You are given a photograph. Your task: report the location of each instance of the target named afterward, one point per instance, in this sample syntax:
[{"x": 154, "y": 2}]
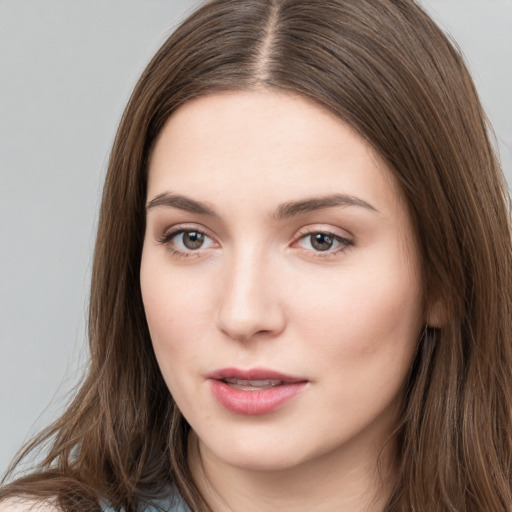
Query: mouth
[
  {"x": 254, "y": 392},
  {"x": 252, "y": 385}
]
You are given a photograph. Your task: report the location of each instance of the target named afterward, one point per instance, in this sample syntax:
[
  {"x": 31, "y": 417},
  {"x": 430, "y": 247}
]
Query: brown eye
[
  {"x": 324, "y": 242},
  {"x": 192, "y": 239},
  {"x": 321, "y": 241},
  {"x": 186, "y": 241}
]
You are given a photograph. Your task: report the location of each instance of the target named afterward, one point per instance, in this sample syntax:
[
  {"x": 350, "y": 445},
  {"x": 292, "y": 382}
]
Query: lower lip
[{"x": 254, "y": 403}]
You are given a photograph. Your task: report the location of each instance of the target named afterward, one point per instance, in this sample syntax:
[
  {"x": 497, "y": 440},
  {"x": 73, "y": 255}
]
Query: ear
[{"x": 436, "y": 313}]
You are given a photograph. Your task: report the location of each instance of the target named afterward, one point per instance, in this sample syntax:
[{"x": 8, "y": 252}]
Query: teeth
[{"x": 252, "y": 384}]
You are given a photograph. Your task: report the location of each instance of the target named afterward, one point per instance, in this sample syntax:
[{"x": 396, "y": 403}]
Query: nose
[{"x": 249, "y": 304}]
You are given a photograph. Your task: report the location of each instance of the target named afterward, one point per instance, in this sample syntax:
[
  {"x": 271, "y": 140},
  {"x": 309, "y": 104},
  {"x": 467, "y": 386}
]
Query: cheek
[
  {"x": 366, "y": 321},
  {"x": 360, "y": 347},
  {"x": 176, "y": 314}
]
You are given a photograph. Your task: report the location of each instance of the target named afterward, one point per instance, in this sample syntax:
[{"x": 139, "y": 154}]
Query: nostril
[{"x": 251, "y": 324}]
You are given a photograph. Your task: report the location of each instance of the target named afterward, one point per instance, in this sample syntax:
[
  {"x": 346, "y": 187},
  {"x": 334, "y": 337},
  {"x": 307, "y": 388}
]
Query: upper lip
[{"x": 253, "y": 374}]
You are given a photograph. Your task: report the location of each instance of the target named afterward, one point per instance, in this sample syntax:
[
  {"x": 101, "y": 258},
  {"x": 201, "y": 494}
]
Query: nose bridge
[{"x": 249, "y": 299}]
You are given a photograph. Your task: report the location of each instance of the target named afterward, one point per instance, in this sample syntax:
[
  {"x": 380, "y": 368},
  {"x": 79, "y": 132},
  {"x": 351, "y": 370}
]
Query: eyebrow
[
  {"x": 283, "y": 211},
  {"x": 292, "y": 208},
  {"x": 181, "y": 203}
]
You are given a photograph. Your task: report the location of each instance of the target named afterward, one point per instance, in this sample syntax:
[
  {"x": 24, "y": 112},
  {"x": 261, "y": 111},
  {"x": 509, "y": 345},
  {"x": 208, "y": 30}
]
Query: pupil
[
  {"x": 193, "y": 239},
  {"x": 321, "y": 242}
]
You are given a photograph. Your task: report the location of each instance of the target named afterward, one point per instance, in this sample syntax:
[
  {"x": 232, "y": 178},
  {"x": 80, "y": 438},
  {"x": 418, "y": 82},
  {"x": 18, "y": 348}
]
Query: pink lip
[{"x": 254, "y": 402}]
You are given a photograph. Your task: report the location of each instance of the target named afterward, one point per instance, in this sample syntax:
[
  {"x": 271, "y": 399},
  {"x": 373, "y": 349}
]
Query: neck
[{"x": 339, "y": 480}]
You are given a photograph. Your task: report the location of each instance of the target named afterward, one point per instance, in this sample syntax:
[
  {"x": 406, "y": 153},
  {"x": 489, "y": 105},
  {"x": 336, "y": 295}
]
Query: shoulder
[
  {"x": 172, "y": 502},
  {"x": 26, "y": 505}
]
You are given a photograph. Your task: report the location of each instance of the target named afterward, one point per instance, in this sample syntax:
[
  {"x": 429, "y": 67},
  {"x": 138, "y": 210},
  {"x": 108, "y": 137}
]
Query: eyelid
[
  {"x": 326, "y": 229},
  {"x": 170, "y": 231}
]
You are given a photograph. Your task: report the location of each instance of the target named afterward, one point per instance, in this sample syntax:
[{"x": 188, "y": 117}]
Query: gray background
[{"x": 67, "y": 68}]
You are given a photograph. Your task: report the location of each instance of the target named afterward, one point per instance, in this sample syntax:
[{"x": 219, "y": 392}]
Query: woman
[{"x": 300, "y": 296}]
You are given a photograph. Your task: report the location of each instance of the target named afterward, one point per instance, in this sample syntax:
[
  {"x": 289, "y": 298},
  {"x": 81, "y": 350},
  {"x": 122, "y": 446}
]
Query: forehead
[
  {"x": 264, "y": 143},
  {"x": 262, "y": 118}
]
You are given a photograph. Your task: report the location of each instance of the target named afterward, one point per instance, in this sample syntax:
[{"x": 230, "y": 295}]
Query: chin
[
  {"x": 262, "y": 460},
  {"x": 265, "y": 452},
  {"x": 252, "y": 450}
]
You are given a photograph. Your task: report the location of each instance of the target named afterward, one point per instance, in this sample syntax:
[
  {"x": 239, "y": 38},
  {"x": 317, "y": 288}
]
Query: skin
[{"x": 258, "y": 293}]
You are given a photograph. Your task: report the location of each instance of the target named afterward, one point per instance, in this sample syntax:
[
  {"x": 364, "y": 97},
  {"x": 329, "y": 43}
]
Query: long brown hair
[{"x": 384, "y": 67}]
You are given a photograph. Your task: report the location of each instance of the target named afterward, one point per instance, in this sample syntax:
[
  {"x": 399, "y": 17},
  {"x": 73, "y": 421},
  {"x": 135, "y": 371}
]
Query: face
[{"x": 280, "y": 280}]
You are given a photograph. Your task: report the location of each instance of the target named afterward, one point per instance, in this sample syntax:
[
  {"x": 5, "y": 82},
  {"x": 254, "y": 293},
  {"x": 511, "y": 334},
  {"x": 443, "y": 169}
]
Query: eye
[
  {"x": 190, "y": 239},
  {"x": 324, "y": 242},
  {"x": 184, "y": 241}
]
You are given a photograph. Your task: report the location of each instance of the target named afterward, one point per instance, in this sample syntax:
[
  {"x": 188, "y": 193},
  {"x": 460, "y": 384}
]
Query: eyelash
[{"x": 345, "y": 243}]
